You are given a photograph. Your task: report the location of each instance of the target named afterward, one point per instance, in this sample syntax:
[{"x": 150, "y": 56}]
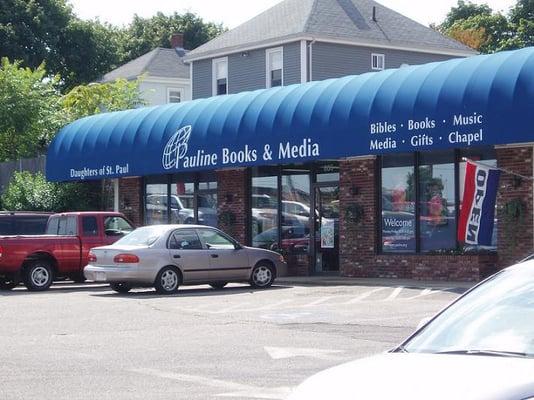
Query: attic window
[{"x": 377, "y": 61}]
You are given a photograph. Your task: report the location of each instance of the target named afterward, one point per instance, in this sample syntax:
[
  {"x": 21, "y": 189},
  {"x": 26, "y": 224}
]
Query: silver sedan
[{"x": 167, "y": 256}]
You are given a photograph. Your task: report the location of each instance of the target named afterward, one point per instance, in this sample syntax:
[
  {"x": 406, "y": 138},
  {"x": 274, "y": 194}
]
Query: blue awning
[{"x": 481, "y": 100}]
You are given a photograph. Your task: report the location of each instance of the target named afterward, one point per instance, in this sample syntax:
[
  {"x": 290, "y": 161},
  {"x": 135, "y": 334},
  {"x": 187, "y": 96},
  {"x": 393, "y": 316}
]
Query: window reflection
[
  {"x": 182, "y": 202},
  {"x": 156, "y": 201},
  {"x": 398, "y": 204},
  {"x": 264, "y": 201},
  {"x": 437, "y": 210},
  {"x": 296, "y": 213},
  {"x": 192, "y": 200}
]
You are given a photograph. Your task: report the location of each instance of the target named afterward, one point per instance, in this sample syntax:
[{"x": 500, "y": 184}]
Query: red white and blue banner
[{"x": 478, "y": 207}]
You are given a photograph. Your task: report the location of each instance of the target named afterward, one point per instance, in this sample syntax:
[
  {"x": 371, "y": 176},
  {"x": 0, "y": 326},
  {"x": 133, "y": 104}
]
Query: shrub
[{"x": 31, "y": 192}]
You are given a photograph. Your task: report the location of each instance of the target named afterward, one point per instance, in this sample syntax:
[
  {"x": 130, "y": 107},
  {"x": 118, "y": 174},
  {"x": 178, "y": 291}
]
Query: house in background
[
  {"x": 308, "y": 40},
  {"x": 165, "y": 76}
]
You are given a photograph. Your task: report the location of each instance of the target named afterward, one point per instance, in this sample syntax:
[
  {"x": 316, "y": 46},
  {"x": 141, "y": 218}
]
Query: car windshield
[
  {"x": 495, "y": 318},
  {"x": 144, "y": 236}
]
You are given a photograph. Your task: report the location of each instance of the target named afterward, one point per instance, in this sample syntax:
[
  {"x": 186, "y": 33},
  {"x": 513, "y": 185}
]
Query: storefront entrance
[{"x": 326, "y": 232}]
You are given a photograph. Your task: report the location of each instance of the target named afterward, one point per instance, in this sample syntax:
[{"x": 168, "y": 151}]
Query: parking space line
[
  {"x": 318, "y": 301},
  {"x": 364, "y": 295},
  {"x": 394, "y": 294},
  {"x": 237, "y": 389}
]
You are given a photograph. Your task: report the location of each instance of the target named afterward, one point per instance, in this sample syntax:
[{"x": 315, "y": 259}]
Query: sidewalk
[{"x": 342, "y": 281}]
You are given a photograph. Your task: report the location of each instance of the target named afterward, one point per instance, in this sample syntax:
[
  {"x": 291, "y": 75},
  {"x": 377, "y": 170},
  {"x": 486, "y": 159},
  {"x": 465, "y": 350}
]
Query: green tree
[
  {"x": 30, "y": 30},
  {"x": 29, "y": 105},
  {"x": 523, "y": 10},
  {"x": 522, "y": 20},
  {"x": 144, "y": 34},
  {"x": 464, "y": 10},
  {"x": 89, "y": 49},
  {"x": 95, "y": 98},
  {"x": 31, "y": 192},
  {"x": 38, "y": 31},
  {"x": 487, "y": 31}
]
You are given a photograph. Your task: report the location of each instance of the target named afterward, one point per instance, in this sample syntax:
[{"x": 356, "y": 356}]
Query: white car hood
[{"x": 423, "y": 376}]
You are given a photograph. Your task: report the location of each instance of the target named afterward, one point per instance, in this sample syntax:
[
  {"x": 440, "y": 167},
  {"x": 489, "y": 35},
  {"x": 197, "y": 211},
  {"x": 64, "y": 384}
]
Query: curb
[{"x": 407, "y": 283}]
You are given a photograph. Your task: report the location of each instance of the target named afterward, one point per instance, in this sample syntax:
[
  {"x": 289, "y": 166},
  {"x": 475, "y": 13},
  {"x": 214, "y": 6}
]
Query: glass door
[{"x": 326, "y": 228}]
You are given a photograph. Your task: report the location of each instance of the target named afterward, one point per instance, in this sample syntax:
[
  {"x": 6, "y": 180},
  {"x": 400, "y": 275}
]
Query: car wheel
[
  {"x": 189, "y": 221},
  {"x": 218, "y": 285},
  {"x": 8, "y": 284},
  {"x": 262, "y": 276},
  {"x": 120, "y": 287},
  {"x": 167, "y": 281},
  {"x": 38, "y": 276}
]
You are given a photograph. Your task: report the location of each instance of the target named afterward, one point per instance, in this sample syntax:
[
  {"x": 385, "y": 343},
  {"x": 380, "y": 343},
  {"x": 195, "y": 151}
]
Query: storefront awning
[{"x": 482, "y": 100}]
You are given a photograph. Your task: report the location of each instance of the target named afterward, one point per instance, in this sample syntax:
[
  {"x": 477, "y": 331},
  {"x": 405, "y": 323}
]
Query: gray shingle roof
[
  {"x": 347, "y": 20},
  {"x": 160, "y": 62}
]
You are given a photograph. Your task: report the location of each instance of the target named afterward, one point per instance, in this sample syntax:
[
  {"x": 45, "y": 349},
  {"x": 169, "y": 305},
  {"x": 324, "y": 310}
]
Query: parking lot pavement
[{"x": 85, "y": 341}]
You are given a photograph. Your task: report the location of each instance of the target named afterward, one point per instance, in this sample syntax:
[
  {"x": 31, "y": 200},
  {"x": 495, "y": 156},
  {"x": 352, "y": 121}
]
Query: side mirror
[{"x": 237, "y": 246}]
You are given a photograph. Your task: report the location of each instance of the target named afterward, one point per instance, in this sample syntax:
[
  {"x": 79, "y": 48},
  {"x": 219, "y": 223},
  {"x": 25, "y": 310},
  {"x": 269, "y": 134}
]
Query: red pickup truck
[{"x": 62, "y": 252}]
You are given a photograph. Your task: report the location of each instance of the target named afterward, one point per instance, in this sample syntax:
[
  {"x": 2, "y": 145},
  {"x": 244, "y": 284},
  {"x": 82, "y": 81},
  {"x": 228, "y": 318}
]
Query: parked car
[
  {"x": 23, "y": 223},
  {"x": 62, "y": 252},
  {"x": 167, "y": 256},
  {"x": 481, "y": 347}
]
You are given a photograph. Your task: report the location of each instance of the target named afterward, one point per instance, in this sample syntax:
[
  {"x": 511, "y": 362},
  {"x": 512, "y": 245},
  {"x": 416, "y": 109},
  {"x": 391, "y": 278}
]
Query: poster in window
[{"x": 327, "y": 233}]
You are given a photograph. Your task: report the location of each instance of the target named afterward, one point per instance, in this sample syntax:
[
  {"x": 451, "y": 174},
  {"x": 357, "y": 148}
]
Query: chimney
[
  {"x": 177, "y": 41},
  {"x": 374, "y": 13}
]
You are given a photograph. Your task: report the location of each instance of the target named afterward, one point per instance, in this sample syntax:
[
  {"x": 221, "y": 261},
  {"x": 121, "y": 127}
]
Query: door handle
[
  {"x": 214, "y": 256},
  {"x": 177, "y": 256}
]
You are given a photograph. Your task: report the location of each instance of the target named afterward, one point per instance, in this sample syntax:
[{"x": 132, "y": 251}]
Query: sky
[{"x": 234, "y": 12}]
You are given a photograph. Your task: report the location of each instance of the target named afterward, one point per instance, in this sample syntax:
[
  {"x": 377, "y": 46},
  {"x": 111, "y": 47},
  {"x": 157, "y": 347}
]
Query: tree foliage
[
  {"x": 31, "y": 192},
  {"x": 37, "y": 31},
  {"x": 145, "y": 34},
  {"x": 479, "y": 27},
  {"x": 95, "y": 98},
  {"x": 29, "y": 104},
  {"x": 464, "y": 10}
]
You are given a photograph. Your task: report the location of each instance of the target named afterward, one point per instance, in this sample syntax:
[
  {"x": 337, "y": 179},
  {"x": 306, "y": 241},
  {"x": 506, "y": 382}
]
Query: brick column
[
  {"x": 515, "y": 235},
  {"x": 357, "y": 240},
  {"x": 232, "y": 202},
  {"x": 130, "y": 204}
]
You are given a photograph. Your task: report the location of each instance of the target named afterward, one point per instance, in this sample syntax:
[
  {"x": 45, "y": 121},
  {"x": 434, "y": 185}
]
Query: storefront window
[
  {"x": 437, "y": 201},
  {"x": 264, "y": 202},
  {"x": 398, "y": 203},
  {"x": 156, "y": 200},
  {"x": 182, "y": 200},
  {"x": 296, "y": 214},
  {"x": 207, "y": 203},
  {"x": 430, "y": 181},
  {"x": 188, "y": 199}
]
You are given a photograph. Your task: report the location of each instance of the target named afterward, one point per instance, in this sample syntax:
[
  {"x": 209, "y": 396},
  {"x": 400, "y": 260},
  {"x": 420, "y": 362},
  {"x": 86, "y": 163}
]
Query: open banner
[{"x": 477, "y": 215}]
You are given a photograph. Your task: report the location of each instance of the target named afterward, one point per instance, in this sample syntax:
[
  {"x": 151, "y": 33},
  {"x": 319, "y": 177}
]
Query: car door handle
[
  {"x": 214, "y": 256},
  {"x": 177, "y": 256}
]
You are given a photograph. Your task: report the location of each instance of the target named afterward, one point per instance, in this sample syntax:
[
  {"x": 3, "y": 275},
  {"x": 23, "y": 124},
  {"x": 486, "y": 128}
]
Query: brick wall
[
  {"x": 232, "y": 199},
  {"x": 358, "y": 241},
  {"x": 515, "y": 236},
  {"x": 130, "y": 202}
]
